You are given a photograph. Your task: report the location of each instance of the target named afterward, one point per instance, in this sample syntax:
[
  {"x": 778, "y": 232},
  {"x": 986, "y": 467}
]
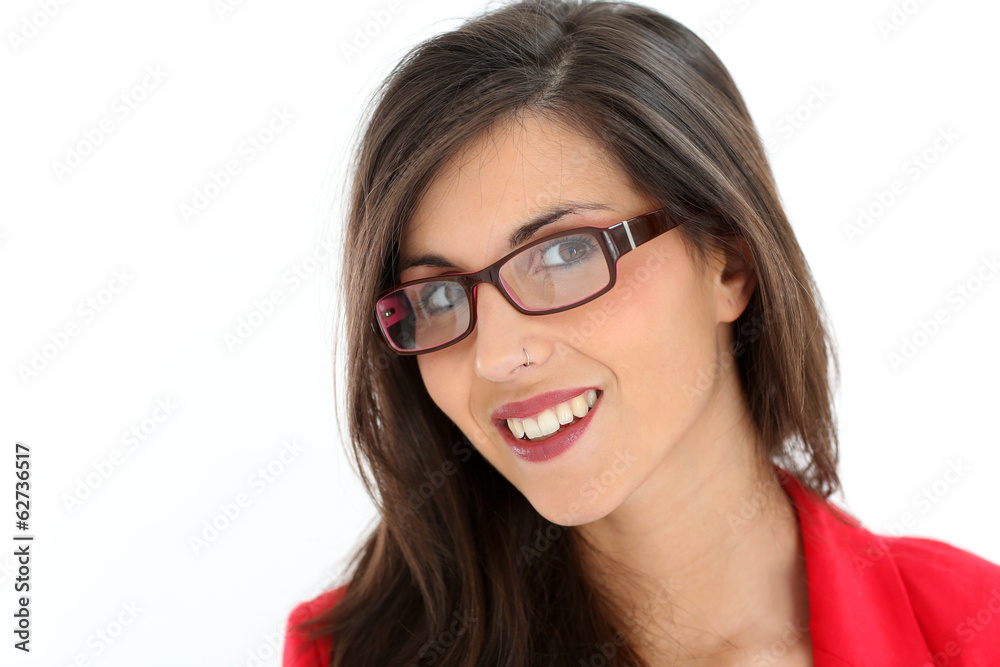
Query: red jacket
[{"x": 874, "y": 600}]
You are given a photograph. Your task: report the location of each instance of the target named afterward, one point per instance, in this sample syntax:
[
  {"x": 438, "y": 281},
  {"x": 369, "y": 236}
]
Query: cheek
[
  {"x": 448, "y": 388},
  {"x": 450, "y": 385},
  {"x": 663, "y": 340},
  {"x": 431, "y": 372}
]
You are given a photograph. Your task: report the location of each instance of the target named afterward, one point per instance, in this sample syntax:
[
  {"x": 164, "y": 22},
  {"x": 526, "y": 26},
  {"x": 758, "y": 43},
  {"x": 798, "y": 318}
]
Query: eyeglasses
[{"x": 555, "y": 273}]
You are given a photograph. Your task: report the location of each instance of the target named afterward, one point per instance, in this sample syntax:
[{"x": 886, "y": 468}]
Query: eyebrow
[{"x": 519, "y": 235}]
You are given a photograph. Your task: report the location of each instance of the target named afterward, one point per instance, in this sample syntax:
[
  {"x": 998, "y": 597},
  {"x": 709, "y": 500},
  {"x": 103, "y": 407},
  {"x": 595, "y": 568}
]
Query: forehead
[{"x": 509, "y": 175}]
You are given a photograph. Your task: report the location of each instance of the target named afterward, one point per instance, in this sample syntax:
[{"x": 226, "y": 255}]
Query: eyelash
[{"x": 585, "y": 238}]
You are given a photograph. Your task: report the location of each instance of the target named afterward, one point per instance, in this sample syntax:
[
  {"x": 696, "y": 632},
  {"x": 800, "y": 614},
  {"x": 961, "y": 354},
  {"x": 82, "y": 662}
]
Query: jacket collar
[{"x": 859, "y": 610}]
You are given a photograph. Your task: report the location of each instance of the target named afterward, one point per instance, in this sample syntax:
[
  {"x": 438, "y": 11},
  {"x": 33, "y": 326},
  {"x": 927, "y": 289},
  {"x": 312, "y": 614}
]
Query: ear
[{"x": 735, "y": 279}]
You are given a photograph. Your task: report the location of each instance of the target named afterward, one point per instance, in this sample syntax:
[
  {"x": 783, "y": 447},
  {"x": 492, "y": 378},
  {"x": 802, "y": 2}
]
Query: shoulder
[
  {"x": 881, "y": 599},
  {"x": 299, "y": 651},
  {"x": 952, "y": 595},
  {"x": 925, "y": 557},
  {"x": 953, "y": 591}
]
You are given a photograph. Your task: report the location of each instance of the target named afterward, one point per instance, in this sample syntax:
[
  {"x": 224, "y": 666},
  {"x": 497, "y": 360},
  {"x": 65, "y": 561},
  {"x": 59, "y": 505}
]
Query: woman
[{"x": 588, "y": 379}]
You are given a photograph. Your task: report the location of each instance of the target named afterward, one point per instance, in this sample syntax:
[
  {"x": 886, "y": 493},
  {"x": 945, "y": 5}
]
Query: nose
[{"x": 500, "y": 336}]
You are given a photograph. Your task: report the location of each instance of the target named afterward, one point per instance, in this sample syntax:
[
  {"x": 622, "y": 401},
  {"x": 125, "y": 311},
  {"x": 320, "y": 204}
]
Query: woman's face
[{"x": 649, "y": 348}]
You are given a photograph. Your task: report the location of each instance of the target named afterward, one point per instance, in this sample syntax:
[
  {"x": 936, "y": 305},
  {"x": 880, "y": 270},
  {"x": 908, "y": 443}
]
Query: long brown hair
[{"x": 460, "y": 569}]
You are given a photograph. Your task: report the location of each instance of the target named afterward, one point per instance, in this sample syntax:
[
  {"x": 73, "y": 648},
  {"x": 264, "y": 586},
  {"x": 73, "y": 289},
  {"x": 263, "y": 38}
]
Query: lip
[
  {"x": 554, "y": 445},
  {"x": 535, "y": 404}
]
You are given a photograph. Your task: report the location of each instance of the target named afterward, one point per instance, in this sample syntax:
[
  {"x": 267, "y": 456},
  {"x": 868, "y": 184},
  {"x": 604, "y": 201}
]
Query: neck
[{"x": 716, "y": 542}]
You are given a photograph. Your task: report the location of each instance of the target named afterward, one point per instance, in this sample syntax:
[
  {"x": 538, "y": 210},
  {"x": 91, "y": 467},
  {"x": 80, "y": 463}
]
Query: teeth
[
  {"x": 531, "y": 428},
  {"x": 550, "y": 420},
  {"x": 564, "y": 413},
  {"x": 547, "y": 422}
]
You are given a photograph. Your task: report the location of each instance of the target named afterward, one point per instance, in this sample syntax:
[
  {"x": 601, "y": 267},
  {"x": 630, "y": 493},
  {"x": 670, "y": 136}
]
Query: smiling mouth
[{"x": 552, "y": 420}]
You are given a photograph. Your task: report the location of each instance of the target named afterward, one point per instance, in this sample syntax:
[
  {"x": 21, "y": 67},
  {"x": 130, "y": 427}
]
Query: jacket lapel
[{"x": 859, "y": 610}]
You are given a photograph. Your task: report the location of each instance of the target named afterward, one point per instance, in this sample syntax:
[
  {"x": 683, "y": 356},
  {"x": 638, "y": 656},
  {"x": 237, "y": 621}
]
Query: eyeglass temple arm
[{"x": 630, "y": 234}]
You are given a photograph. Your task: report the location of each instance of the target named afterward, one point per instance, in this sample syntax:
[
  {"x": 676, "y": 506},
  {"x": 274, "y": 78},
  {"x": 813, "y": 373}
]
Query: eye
[
  {"x": 567, "y": 251},
  {"x": 440, "y": 297}
]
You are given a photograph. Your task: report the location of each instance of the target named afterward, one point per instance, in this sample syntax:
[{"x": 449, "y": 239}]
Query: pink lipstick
[{"x": 553, "y": 445}]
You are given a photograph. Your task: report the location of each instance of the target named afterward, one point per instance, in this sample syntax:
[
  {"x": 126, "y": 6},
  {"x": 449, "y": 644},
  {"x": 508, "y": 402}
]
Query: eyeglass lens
[{"x": 547, "y": 276}]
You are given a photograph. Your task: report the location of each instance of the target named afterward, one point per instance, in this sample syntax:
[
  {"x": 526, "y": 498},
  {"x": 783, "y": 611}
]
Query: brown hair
[{"x": 455, "y": 540}]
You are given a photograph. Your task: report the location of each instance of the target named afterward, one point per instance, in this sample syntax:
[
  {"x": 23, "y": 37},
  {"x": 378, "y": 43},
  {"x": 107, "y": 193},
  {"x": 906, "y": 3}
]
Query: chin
[{"x": 574, "y": 512}]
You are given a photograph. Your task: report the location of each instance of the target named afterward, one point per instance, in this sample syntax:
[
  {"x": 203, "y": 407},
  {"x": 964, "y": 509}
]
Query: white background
[{"x": 162, "y": 336}]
